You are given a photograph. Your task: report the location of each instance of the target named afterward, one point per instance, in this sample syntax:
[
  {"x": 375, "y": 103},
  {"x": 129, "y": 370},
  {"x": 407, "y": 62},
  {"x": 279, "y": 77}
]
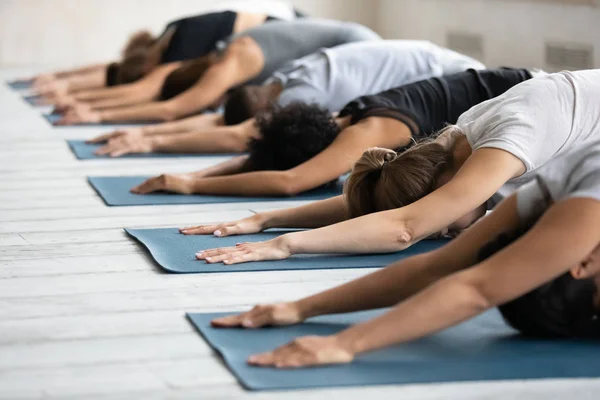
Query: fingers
[
  {"x": 214, "y": 253},
  {"x": 230, "y": 321},
  {"x": 105, "y": 137},
  {"x": 258, "y": 317},
  {"x": 199, "y": 230},
  {"x": 63, "y": 121},
  {"x": 151, "y": 185}
]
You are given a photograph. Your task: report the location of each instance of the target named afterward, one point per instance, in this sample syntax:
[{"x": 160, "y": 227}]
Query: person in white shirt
[
  {"x": 536, "y": 257},
  {"x": 395, "y": 200}
]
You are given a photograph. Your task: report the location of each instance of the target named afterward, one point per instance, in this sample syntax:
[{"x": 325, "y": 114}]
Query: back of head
[
  {"x": 135, "y": 57},
  {"x": 383, "y": 179},
  {"x": 142, "y": 40},
  {"x": 244, "y": 103},
  {"x": 291, "y": 135},
  {"x": 564, "y": 307},
  {"x": 184, "y": 77}
]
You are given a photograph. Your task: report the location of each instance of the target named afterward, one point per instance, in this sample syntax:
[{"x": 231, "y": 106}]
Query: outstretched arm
[
  {"x": 197, "y": 122},
  {"x": 393, "y": 284},
  {"x": 392, "y": 230},
  {"x": 222, "y": 139},
  {"x": 146, "y": 89},
  {"x": 228, "y": 72},
  {"x": 330, "y": 164},
  {"x": 543, "y": 254},
  {"x": 313, "y": 215}
]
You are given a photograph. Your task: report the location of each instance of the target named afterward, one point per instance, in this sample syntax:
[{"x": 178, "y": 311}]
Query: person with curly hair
[
  {"x": 536, "y": 258},
  {"x": 300, "y": 146},
  {"x": 330, "y": 78},
  {"x": 184, "y": 39},
  {"x": 393, "y": 200},
  {"x": 250, "y": 57}
]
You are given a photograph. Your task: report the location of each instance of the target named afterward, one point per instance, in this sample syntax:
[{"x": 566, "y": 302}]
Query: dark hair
[
  {"x": 291, "y": 135},
  {"x": 244, "y": 103},
  {"x": 135, "y": 55},
  {"x": 185, "y": 77},
  {"x": 563, "y": 307}
]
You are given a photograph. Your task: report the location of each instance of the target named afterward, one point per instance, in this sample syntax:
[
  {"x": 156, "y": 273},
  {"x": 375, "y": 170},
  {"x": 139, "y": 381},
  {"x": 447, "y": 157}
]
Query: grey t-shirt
[
  {"x": 333, "y": 77},
  {"x": 283, "y": 41}
]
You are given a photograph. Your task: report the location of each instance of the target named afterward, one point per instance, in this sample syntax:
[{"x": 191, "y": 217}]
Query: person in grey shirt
[
  {"x": 248, "y": 57},
  {"x": 333, "y": 77}
]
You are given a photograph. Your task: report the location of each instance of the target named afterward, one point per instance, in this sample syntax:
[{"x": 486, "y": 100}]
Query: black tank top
[
  {"x": 197, "y": 36},
  {"x": 427, "y": 106}
]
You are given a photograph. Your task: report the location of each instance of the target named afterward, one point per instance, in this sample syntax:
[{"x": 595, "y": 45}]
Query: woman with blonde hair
[
  {"x": 494, "y": 148},
  {"x": 537, "y": 258}
]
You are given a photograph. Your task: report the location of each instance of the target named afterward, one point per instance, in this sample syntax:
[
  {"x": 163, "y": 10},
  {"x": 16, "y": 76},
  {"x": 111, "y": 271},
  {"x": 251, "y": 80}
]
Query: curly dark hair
[
  {"x": 291, "y": 135},
  {"x": 563, "y": 307}
]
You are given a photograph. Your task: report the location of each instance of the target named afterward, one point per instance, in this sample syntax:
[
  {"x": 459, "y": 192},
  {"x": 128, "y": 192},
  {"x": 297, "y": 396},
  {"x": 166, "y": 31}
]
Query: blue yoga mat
[
  {"x": 115, "y": 192},
  {"x": 54, "y": 117},
  {"x": 85, "y": 151},
  {"x": 33, "y": 100},
  {"x": 19, "y": 85},
  {"x": 175, "y": 252},
  {"x": 481, "y": 349}
]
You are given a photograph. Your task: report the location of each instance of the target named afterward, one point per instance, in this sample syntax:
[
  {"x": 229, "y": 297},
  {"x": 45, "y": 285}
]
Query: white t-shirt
[
  {"x": 333, "y": 77},
  {"x": 537, "y": 120},
  {"x": 574, "y": 174}
]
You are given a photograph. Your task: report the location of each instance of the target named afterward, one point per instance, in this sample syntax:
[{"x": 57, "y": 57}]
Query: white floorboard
[{"x": 85, "y": 313}]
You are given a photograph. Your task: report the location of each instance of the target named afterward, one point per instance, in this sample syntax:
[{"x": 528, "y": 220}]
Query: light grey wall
[
  {"x": 68, "y": 32},
  {"x": 513, "y": 33}
]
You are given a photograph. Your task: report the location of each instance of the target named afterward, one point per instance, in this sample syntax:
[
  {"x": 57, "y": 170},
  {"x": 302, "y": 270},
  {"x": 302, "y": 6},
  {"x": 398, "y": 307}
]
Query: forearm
[
  {"x": 103, "y": 93},
  {"x": 383, "y": 288},
  {"x": 155, "y": 111},
  {"x": 184, "y": 125},
  {"x": 82, "y": 70},
  {"x": 437, "y": 307},
  {"x": 256, "y": 183},
  {"x": 374, "y": 233},
  {"x": 216, "y": 140},
  {"x": 90, "y": 80},
  {"x": 233, "y": 166},
  {"x": 313, "y": 215}
]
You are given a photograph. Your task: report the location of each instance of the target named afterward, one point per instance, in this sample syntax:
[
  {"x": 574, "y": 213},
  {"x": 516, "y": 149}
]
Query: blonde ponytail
[{"x": 382, "y": 179}]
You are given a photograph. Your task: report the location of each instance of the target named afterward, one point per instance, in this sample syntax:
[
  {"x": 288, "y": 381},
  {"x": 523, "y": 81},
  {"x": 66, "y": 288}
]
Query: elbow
[
  {"x": 402, "y": 233},
  {"x": 288, "y": 184},
  {"x": 471, "y": 296},
  {"x": 168, "y": 112}
]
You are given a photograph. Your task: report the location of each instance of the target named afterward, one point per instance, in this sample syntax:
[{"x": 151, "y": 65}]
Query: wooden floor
[{"x": 85, "y": 314}]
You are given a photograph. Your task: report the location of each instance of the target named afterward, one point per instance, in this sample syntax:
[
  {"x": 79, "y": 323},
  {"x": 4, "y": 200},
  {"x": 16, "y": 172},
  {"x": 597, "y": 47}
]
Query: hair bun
[{"x": 389, "y": 156}]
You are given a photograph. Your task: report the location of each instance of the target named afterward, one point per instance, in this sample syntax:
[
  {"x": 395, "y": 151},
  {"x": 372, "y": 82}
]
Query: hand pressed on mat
[
  {"x": 127, "y": 142},
  {"x": 182, "y": 183},
  {"x": 253, "y": 224},
  {"x": 274, "y": 249}
]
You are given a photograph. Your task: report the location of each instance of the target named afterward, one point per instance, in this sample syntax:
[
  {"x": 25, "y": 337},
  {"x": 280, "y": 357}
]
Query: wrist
[
  {"x": 306, "y": 308},
  {"x": 155, "y": 143},
  {"x": 286, "y": 242},
  {"x": 266, "y": 220},
  {"x": 351, "y": 341}
]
